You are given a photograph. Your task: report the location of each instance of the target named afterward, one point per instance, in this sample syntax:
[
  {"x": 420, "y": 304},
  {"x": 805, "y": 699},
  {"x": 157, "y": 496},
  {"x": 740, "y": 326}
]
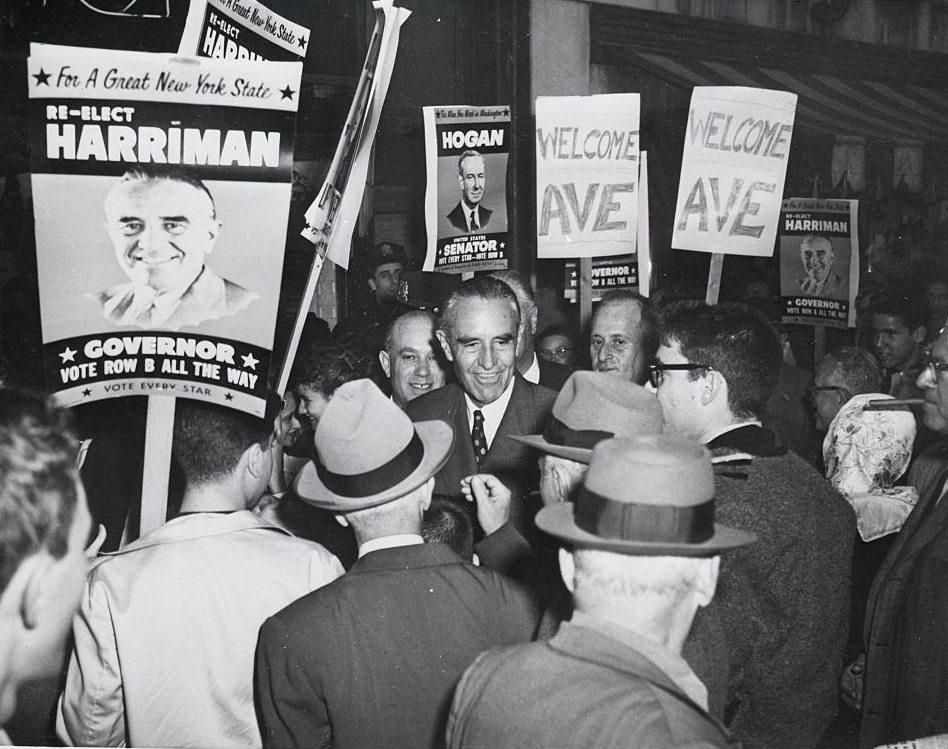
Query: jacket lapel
[{"x": 513, "y": 421}]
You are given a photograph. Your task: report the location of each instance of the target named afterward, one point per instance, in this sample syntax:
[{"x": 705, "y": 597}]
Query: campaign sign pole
[
  {"x": 158, "y": 432},
  {"x": 714, "y": 278},
  {"x": 584, "y": 290}
]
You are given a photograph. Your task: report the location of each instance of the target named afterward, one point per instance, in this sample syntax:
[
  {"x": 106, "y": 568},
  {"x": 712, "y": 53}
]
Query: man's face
[
  {"x": 68, "y": 577},
  {"x": 817, "y": 257},
  {"x": 614, "y": 342},
  {"x": 556, "y": 348},
  {"x": 385, "y": 282},
  {"x": 161, "y": 230},
  {"x": 934, "y": 386},
  {"x": 312, "y": 404},
  {"x": 286, "y": 426},
  {"x": 937, "y": 297},
  {"x": 895, "y": 344},
  {"x": 483, "y": 347},
  {"x": 471, "y": 178},
  {"x": 678, "y": 394},
  {"x": 412, "y": 364},
  {"x": 827, "y": 402}
]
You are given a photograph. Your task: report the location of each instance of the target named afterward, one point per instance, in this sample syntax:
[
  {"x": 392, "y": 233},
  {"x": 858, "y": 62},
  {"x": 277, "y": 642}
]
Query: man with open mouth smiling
[
  {"x": 410, "y": 359},
  {"x": 490, "y": 401},
  {"x": 163, "y": 225}
]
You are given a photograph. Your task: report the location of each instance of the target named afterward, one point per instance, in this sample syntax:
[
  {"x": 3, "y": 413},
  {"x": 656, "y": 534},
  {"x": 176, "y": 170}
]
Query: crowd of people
[{"x": 456, "y": 530}]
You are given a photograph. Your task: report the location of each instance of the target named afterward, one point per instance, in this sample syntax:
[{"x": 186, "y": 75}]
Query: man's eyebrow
[
  {"x": 466, "y": 339},
  {"x": 504, "y": 338},
  {"x": 178, "y": 219}
]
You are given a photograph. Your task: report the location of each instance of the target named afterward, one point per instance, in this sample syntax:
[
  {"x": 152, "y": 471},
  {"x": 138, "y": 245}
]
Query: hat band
[
  {"x": 632, "y": 521},
  {"x": 557, "y": 433},
  {"x": 378, "y": 479}
]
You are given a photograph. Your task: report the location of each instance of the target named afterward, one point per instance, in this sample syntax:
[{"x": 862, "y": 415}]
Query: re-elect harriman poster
[
  {"x": 241, "y": 30},
  {"x": 466, "y": 151},
  {"x": 161, "y": 187},
  {"x": 733, "y": 167},
  {"x": 819, "y": 261}
]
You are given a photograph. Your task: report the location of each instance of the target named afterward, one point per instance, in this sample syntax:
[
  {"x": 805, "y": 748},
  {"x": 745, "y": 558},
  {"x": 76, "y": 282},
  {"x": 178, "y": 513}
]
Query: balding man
[
  {"x": 623, "y": 336},
  {"x": 538, "y": 371},
  {"x": 412, "y": 359}
]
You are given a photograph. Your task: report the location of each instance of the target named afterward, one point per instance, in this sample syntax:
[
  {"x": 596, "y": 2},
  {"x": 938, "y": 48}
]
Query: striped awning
[{"x": 827, "y": 103}]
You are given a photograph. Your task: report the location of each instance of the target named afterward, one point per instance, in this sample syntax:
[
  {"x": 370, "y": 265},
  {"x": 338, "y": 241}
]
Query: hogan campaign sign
[
  {"x": 161, "y": 187},
  {"x": 732, "y": 171}
]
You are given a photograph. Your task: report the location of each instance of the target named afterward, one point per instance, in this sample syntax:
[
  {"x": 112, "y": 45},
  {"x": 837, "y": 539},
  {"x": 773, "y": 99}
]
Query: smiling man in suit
[{"x": 490, "y": 401}]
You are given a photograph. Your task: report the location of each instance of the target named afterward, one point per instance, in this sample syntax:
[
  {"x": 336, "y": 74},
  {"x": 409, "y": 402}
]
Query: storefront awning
[{"x": 826, "y": 103}]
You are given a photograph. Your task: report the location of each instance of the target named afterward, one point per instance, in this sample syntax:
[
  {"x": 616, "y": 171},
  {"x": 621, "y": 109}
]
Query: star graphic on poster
[
  {"x": 249, "y": 361},
  {"x": 572, "y": 275},
  {"x": 505, "y": 111},
  {"x": 42, "y": 78},
  {"x": 228, "y": 397},
  {"x": 86, "y": 393},
  {"x": 502, "y": 245},
  {"x": 287, "y": 92},
  {"x": 302, "y": 42},
  {"x": 68, "y": 355}
]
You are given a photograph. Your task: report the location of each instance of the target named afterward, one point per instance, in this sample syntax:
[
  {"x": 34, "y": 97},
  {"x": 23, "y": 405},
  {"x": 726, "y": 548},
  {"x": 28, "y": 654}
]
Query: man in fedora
[
  {"x": 785, "y": 600},
  {"x": 374, "y": 659},
  {"x": 643, "y": 559}
]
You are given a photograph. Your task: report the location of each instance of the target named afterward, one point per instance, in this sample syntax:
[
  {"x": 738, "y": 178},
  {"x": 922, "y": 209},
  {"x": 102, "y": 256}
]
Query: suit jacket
[
  {"x": 831, "y": 286},
  {"x": 580, "y": 689},
  {"x": 166, "y": 629},
  {"x": 459, "y": 220},
  {"x": 209, "y": 297},
  {"x": 512, "y": 462},
  {"x": 372, "y": 661},
  {"x": 906, "y": 678},
  {"x": 784, "y": 599}
]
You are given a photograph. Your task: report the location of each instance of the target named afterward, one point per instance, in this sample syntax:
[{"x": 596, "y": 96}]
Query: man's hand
[
  {"x": 850, "y": 683},
  {"x": 491, "y": 497}
]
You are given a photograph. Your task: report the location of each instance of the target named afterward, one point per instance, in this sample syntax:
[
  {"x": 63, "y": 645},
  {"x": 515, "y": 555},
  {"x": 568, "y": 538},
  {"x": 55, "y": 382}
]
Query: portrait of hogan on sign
[
  {"x": 163, "y": 225},
  {"x": 469, "y": 216}
]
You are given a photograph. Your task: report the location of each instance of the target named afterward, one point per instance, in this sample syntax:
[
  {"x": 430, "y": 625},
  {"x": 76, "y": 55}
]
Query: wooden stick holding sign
[
  {"x": 714, "y": 278},
  {"x": 584, "y": 292},
  {"x": 159, "y": 428}
]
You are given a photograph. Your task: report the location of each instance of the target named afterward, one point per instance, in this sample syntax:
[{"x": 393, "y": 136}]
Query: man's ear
[
  {"x": 212, "y": 231},
  {"x": 919, "y": 334},
  {"x": 534, "y": 317},
  {"x": 372, "y": 284},
  {"x": 254, "y": 458},
  {"x": 30, "y": 588},
  {"x": 568, "y": 570},
  {"x": 707, "y": 580},
  {"x": 713, "y": 386},
  {"x": 443, "y": 340},
  {"x": 385, "y": 362}
]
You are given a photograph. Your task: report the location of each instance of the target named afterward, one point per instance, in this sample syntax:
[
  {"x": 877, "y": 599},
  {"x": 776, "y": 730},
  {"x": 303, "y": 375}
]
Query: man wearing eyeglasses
[
  {"x": 784, "y": 602},
  {"x": 163, "y": 225},
  {"x": 899, "y": 681}
]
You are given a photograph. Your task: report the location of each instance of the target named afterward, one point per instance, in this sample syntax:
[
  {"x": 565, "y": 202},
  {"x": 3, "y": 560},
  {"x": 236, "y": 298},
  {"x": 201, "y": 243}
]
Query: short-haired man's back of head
[
  {"x": 734, "y": 340},
  {"x": 38, "y": 492},
  {"x": 479, "y": 287},
  {"x": 209, "y": 440},
  {"x": 853, "y": 368}
]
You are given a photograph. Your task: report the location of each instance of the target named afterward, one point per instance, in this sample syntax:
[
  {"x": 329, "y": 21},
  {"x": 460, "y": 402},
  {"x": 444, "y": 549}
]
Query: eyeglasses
[
  {"x": 812, "y": 390},
  {"x": 656, "y": 371},
  {"x": 934, "y": 367}
]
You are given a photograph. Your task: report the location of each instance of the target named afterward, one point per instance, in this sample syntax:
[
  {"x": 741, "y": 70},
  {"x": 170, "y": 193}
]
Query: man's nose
[
  {"x": 486, "y": 359},
  {"x": 925, "y": 379},
  {"x": 878, "y": 340},
  {"x": 149, "y": 238},
  {"x": 423, "y": 367},
  {"x": 605, "y": 352}
]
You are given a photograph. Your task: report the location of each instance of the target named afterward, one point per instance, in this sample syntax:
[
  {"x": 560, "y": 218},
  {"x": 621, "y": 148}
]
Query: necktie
[
  {"x": 478, "y": 438},
  {"x": 474, "y": 225}
]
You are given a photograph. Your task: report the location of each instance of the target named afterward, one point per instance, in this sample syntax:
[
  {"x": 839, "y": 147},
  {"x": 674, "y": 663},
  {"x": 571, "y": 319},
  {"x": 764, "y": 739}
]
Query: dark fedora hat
[
  {"x": 591, "y": 407},
  {"x": 369, "y": 452},
  {"x": 648, "y": 496}
]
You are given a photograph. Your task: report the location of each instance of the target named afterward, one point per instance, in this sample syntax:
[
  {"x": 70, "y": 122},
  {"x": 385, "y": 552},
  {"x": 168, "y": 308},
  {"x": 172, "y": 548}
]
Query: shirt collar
[
  {"x": 533, "y": 371},
  {"x": 164, "y": 304},
  {"x": 390, "y": 542},
  {"x": 713, "y": 434},
  {"x": 493, "y": 412},
  {"x": 673, "y": 666}
]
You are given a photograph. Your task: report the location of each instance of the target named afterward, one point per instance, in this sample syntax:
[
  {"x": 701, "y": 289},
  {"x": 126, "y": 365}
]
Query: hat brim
[
  {"x": 437, "y": 437},
  {"x": 538, "y": 442},
  {"x": 558, "y": 521}
]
